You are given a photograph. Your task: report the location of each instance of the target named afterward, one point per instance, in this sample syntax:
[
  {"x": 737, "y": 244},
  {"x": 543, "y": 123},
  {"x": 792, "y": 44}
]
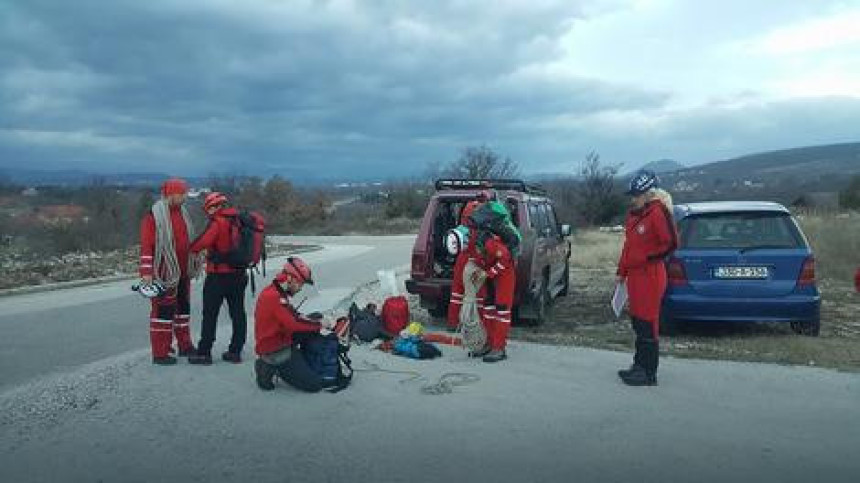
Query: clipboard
[{"x": 619, "y": 298}]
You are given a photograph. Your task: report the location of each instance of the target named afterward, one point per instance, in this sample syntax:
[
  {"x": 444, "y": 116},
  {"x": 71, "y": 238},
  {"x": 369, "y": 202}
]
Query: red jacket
[
  {"x": 275, "y": 322},
  {"x": 649, "y": 236},
  {"x": 147, "y": 243},
  {"x": 497, "y": 258},
  {"x": 217, "y": 239}
]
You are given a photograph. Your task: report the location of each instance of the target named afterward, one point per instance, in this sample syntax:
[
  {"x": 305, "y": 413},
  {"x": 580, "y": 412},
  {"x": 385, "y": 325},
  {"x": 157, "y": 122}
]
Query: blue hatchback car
[{"x": 741, "y": 262}]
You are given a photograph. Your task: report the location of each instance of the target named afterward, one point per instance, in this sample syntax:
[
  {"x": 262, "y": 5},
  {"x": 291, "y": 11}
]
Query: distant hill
[
  {"x": 663, "y": 166},
  {"x": 781, "y": 175}
]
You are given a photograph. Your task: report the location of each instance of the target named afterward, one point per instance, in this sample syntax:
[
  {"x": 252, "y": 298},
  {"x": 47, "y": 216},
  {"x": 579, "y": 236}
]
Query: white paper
[{"x": 619, "y": 298}]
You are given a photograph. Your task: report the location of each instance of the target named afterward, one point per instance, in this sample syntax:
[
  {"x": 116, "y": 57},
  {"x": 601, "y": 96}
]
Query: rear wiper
[{"x": 760, "y": 247}]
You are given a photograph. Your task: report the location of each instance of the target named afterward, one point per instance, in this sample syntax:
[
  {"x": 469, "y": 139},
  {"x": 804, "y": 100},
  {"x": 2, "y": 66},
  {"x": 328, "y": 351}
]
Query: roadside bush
[{"x": 836, "y": 241}]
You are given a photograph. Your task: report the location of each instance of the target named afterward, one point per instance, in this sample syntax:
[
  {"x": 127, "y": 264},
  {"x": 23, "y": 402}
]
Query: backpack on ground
[
  {"x": 364, "y": 323},
  {"x": 326, "y": 357},
  {"x": 395, "y": 315}
]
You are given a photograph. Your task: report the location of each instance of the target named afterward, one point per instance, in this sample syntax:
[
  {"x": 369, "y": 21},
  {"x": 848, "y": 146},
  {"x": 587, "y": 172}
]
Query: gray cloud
[{"x": 322, "y": 88}]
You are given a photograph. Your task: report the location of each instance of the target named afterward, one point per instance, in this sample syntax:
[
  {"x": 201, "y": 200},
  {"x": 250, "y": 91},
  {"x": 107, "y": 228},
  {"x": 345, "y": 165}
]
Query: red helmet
[
  {"x": 214, "y": 199},
  {"x": 297, "y": 269},
  {"x": 174, "y": 186}
]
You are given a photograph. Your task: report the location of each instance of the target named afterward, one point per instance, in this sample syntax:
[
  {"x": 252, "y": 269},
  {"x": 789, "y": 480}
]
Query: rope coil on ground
[{"x": 444, "y": 385}]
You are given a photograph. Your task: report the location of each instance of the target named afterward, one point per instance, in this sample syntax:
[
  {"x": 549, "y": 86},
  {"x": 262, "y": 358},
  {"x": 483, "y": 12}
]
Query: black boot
[
  {"x": 639, "y": 377},
  {"x": 626, "y": 372},
  {"x": 234, "y": 357},
  {"x": 200, "y": 359},
  {"x": 164, "y": 361},
  {"x": 265, "y": 375}
]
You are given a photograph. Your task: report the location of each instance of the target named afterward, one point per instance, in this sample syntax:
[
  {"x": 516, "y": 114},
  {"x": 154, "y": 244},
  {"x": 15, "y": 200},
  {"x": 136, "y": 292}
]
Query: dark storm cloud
[{"x": 314, "y": 87}]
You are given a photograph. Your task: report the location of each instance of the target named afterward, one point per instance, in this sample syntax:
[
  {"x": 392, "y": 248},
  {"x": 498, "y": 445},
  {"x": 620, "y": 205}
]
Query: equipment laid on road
[
  {"x": 365, "y": 324},
  {"x": 395, "y": 315}
]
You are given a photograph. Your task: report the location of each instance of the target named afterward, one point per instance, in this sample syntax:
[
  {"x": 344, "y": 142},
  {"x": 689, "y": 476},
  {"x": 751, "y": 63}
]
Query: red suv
[{"x": 543, "y": 263}]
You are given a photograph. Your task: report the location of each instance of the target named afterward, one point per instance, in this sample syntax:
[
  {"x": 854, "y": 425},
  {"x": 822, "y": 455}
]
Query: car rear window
[{"x": 740, "y": 230}]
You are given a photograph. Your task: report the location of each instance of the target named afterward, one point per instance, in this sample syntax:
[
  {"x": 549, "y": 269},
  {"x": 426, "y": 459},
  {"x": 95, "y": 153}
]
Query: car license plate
[{"x": 740, "y": 272}]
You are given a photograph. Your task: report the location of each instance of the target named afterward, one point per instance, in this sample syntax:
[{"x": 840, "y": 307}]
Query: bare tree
[
  {"x": 482, "y": 163},
  {"x": 596, "y": 200}
]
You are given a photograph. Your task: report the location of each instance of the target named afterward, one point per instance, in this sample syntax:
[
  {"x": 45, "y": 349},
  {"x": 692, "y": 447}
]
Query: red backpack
[{"x": 395, "y": 315}]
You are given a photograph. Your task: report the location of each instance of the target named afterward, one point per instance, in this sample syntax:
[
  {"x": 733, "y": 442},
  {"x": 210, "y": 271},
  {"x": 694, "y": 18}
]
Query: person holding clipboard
[{"x": 649, "y": 237}]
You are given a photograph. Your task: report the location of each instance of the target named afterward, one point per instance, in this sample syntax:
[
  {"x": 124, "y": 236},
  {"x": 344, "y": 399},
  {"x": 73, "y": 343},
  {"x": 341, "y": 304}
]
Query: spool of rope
[
  {"x": 471, "y": 328},
  {"x": 165, "y": 250}
]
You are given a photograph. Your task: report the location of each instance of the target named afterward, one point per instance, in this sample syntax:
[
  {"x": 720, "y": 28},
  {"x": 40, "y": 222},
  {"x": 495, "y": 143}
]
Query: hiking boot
[
  {"x": 480, "y": 352},
  {"x": 199, "y": 359},
  {"x": 495, "y": 356},
  {"x": 626, "y": 372},
  {"x": 187, "y": 352},
  {"x": 638, "y": 377},
  {"x": 234, "y": 357},
  {"x": 164, "y": 361},
  {"x": 265, "y": 375}
]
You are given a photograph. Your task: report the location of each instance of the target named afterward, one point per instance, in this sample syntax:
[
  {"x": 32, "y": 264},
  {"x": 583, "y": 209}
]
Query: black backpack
[{"x": 365, "y": 325}]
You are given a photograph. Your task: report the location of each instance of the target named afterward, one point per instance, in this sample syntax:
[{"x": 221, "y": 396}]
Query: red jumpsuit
[
  {"x": 649, "y": 237},
  {"x": 275, "y": 322},
  {"x": 170, "y": 314},
  {"x": 502, "y": 274},
  {"x": 470, "y": 253}
]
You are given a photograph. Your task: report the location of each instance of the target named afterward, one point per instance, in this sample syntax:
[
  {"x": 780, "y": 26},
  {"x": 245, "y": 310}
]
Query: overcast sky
[{"x": 384, "y": 87}]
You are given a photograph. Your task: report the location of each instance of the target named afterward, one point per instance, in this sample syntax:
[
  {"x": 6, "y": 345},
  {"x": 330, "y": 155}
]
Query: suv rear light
[
  {"x": 418, "y": 267},
  {"x": 675, "y": 272},
  {"x": 807, "y": 272}
]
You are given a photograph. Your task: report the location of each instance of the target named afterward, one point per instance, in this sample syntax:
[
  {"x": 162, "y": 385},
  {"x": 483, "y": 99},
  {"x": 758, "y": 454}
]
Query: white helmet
[{"x": 150, "y": 290}]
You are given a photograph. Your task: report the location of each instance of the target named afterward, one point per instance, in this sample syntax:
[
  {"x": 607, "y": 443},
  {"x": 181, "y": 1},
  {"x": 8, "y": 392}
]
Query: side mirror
[{"x": 566, "y": 230}]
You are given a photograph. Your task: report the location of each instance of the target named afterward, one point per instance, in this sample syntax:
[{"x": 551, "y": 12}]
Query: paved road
[
  {"x": 546, "y": 414},
  {"x": 62, "y": 330}
]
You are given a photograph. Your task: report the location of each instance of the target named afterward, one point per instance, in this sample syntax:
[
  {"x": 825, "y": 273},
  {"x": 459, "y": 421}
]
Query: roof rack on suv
[{"x": 498, "y": 184}]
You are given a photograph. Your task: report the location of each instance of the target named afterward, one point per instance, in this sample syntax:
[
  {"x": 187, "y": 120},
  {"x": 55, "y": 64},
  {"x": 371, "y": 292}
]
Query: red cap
[{"x": 174, "y": 186}]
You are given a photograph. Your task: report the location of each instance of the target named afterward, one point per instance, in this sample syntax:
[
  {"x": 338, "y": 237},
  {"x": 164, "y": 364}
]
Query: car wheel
[
  {"x": 542, "y": 305},
  {"x": 565, "y": 288},
  {"x": 811, "y": 328}
]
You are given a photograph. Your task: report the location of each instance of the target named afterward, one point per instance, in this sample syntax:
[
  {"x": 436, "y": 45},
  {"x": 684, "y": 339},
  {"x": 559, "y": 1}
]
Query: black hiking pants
[{"x": 217, "y": 288}]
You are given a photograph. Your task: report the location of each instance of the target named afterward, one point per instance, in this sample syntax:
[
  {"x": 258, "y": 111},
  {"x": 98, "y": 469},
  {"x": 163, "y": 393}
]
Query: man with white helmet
[{"x": 167, "y": 264}]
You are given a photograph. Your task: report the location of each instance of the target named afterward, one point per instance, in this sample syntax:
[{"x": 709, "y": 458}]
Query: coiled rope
[
  {"x": 471, "y": 328},
  {"x": 165, "y": 250},
  {"x": 444, "y": 385}
]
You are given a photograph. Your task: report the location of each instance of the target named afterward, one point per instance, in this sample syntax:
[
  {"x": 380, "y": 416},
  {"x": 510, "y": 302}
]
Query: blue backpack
[{"x": 324, "y": 355}]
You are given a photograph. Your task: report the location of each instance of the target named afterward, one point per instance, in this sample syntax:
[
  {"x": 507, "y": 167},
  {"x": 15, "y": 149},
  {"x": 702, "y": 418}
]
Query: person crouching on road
[
  {"x": 276, "y": 323},
  {"x": 223, "y": 282},
  {"x": 165, "y": 232},
  {"x": 649, "y": 237},
  {"x": 501, "y": 276}
]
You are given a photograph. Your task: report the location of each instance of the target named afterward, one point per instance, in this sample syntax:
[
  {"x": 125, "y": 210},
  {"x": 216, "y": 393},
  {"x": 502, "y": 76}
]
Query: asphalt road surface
[
  {"x": 545, "y": 414},
  {"x": 61, "y": 330}
]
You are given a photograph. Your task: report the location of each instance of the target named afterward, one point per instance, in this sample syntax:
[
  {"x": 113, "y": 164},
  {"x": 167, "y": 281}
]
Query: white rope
[
  {"x": 165, "y": 251},
  {"x": 471, "y": 329}
]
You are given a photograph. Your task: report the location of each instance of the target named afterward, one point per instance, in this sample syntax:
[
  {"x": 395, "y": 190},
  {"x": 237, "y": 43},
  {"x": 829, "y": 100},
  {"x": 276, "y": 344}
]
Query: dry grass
[{"x": 584, "y": 317}]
